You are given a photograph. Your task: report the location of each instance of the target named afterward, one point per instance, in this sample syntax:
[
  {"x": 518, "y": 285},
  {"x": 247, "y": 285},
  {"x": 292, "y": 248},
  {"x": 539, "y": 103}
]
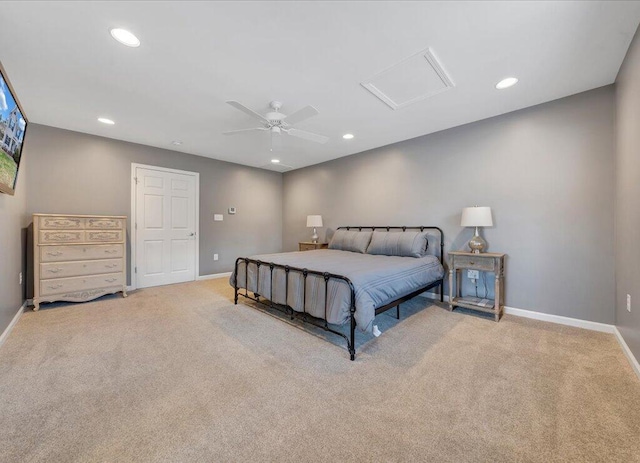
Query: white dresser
[{"x": 78, "y": 257}]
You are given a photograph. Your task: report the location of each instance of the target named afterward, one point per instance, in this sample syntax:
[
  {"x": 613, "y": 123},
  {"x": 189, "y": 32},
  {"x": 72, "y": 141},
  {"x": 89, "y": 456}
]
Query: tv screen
[{"x": 13, "y": 126}]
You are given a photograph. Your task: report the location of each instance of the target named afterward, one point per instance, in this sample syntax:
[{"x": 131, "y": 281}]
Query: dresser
[
  {"x": 78, "y": 257},
  {"x": 310, "y": 246}
]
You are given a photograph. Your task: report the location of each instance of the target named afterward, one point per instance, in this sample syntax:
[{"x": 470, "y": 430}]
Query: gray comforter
[{"x": 377, "y": 280}]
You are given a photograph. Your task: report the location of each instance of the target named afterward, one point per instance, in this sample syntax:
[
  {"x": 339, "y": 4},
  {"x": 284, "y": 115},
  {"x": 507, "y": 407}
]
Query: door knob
[{"x": 192, "y": 234}]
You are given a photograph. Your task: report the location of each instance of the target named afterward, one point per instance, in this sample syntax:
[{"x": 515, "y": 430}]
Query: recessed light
[
  {"x": 347, "y": 136},
  {"x": 506, "y": 83},
  {"x": 176, "y": 142},
  {"x": 275, "y": 161},
  {"x": 104, "y": 120},
  {"x": 125, "y": 37}
]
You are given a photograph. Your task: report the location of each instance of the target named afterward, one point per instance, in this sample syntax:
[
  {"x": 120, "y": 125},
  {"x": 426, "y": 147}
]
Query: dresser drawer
[
  {"x": 61, "y": 223},
  {"x": 104, "y": 235},
  {"x": 477, "y": 263},
  {"x": 104, "y": 223},
  {"x": 66, "y": 236},
  {"x": 79, "y": 268},
  {"x": 65, "y": 285},
  {"x": 80, "y": 252}
]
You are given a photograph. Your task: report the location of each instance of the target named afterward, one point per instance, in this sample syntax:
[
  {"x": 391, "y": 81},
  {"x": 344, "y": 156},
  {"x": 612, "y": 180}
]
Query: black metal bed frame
[{"x": 304, "y": 316}]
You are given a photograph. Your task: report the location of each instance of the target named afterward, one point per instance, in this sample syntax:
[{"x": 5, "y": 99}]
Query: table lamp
[
  {"x": 314, "y": 221},
  {"x": 476, "y": 217}
]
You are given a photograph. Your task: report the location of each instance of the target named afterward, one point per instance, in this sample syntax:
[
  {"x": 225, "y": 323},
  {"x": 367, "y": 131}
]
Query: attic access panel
[{"x": 418, "y": 77}]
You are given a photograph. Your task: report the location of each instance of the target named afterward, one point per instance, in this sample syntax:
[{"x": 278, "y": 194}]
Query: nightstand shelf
[
  {"x": 311, "y": 246},
  {"x": 484, "y": 262}
]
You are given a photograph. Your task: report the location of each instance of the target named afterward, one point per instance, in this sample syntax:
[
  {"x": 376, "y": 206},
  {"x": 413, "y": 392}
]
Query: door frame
[{"x": 133, "y": 231}]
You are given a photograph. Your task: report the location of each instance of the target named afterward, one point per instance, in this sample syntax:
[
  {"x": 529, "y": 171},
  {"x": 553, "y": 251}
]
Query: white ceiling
[{"x": 67, "y": 70}]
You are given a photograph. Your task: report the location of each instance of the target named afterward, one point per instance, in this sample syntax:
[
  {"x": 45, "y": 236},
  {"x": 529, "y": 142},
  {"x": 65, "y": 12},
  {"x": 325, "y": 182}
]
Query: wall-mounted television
[{"x": 13, "y": 125}]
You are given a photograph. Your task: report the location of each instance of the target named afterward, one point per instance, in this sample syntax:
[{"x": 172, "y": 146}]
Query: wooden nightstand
[
  {"x": 485, "y": 262},
  {"x": 310, "y": 246}
]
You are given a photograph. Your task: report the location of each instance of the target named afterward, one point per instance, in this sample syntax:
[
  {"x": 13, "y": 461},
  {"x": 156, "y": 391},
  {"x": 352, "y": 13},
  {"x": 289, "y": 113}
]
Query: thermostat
[{"x": 232, "y": 210}]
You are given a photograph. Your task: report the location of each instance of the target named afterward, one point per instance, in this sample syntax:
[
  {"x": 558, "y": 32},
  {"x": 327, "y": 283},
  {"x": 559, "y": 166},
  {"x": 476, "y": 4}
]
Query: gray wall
[
  {"x": 76, "y": 173},
  {"x": 627, "y": 202},
  {"x": 13, "y": 222},
  {"x": 546, "y": 171}
]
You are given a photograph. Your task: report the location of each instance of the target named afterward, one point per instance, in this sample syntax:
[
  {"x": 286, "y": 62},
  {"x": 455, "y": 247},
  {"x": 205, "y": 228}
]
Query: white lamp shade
[
  {"x": 314, "y": 221},
  {"x": 476, "y": 217}
]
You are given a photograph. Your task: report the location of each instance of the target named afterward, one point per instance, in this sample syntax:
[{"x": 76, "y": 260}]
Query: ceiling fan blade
[
  {"x": 301, "y": 115},
  {"x": 234, "y": 132},
  {"x": 308, "y": 135},
  {"x": 248, "y": 111}
]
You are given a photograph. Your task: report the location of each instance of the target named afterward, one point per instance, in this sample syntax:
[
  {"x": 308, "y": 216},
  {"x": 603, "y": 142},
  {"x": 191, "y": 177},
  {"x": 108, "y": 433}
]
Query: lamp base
[
  {"x": 477, "y": 244},
  {"x": 314, "y": 237}
]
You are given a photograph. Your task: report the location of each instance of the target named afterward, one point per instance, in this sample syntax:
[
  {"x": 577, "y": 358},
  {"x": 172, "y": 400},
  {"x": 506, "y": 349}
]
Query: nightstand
[
  {"x": 484, "y": 262},
  {"x": 310, "y": 246}
]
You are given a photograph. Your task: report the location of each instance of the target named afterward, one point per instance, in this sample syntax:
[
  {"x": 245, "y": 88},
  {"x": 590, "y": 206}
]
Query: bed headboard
[{"x": 402, "y": 228}]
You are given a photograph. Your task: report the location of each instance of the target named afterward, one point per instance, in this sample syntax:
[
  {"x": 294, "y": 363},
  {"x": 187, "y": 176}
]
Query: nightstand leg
[
  {"x": 498, "y": 297},
  {"x": 451, "y": 289}
]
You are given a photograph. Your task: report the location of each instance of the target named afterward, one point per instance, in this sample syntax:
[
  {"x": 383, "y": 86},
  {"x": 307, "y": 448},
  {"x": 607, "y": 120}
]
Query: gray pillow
[
  {"x": 401, "y": 244},
  {"x": 350, "y": 240}
]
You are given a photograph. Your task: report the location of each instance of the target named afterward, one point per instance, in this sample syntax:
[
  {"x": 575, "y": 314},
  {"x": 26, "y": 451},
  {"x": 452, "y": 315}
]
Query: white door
[{"x": 165, "y": 227}]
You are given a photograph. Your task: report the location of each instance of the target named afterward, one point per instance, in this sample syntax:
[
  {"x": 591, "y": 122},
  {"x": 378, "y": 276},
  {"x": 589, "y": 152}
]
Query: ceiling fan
[{"x": 277, "y": 123}]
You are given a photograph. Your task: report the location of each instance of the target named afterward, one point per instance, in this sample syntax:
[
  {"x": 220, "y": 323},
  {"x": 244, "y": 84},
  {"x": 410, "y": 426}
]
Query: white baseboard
[
  {"x": 632, "y": 359},
  {"x": 7, "y": 331},
  {"x": 213, "y": 276},
  {"x": 578, "y": 323},
  {"x": 434, "y": 296},
  {"x": 545, "y": 317}
]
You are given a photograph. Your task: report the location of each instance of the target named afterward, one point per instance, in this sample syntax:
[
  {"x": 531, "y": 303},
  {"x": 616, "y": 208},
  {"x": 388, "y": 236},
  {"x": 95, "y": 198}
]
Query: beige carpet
[{"x": 180, "y": 374}]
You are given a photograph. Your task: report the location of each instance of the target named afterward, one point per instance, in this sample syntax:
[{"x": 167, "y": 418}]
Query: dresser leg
[
  {"x": 36, "y": 304},
  {"x": 124, "y": 291}
]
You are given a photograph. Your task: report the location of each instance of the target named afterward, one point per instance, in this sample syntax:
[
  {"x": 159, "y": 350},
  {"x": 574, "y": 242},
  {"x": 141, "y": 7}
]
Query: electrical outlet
[
  {"x": 473, "y": 274},
  {"x": 628, "y": 302},
  {"x": 215, "y": 257},
  {"x": 20, "y": 278}
]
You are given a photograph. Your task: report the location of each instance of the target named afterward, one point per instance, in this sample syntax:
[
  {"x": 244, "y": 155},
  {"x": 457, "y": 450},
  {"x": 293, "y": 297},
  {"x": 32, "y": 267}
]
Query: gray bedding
[{"x": 377, "y": 280}]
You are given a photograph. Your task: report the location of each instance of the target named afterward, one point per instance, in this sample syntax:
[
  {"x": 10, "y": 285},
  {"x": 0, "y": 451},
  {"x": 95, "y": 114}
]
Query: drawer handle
[
  {"x": 55, "y": 270},
  {"x": 54, "y": 253},
  {"x": 110, "y": 280},
  {"x": 54, "y": 286},
  {"x": 472, "y": 263},
  {"x": 111, "y": 265},
  {"x": 110, "y": 251}
]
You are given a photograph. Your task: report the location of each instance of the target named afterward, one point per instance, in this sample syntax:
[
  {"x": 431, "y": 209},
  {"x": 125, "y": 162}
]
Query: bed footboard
[{"x": 286, "y": 308}]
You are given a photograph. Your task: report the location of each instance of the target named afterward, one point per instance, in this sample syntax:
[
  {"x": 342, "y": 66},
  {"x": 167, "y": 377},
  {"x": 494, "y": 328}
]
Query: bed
[{"x": 365, "y": 271}]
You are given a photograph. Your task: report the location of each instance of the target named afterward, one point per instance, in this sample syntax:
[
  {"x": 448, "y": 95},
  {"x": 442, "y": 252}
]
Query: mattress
[{"x": 377, "y": 280}]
